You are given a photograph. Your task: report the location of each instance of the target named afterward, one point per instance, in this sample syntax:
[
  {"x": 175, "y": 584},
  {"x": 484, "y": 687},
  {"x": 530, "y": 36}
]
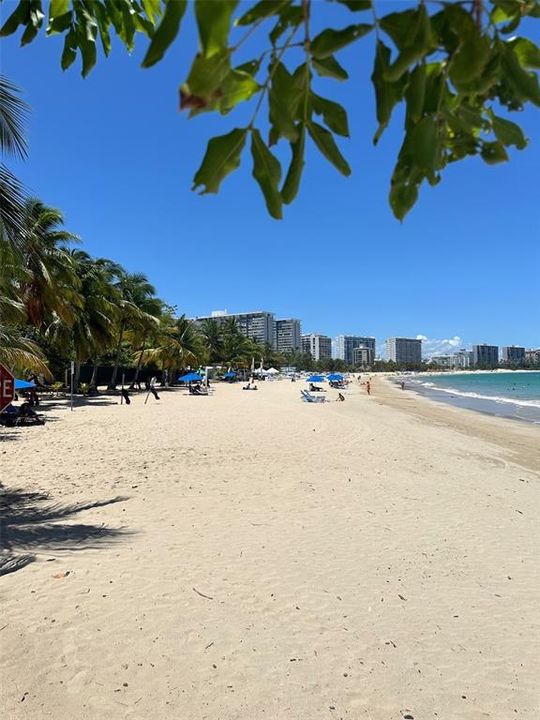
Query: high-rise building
[
  {"x": 485, "y": 355},
  {"x": 404, "y": 350},
  {"x": 318, "y": 346},
  {"x": 363, "y": 356},
  {"x": 258, "y": 326},
  {"x": 345, "y": 345},
  {"x": 532, "y": 356},
  {"x": 513, "y": 355},
  {"x": 287, "y": 335}
]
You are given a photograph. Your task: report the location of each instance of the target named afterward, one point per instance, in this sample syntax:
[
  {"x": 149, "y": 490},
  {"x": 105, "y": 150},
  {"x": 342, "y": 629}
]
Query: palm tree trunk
[
  {"x": 138, "y": 368},
  {"x": 93, "y": 379},
  {"x": 112, "y": 383},
  {"x": 77, "y": 376}
]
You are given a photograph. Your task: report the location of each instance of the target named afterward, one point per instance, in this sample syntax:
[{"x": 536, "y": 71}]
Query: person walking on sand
[
  {"x": 402, "y": 385},
  {"x": 368, "y": 387}
]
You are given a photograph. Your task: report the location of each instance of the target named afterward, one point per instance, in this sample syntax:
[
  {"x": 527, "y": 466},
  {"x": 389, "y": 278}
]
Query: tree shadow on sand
[{"x": 30, "y": 523}]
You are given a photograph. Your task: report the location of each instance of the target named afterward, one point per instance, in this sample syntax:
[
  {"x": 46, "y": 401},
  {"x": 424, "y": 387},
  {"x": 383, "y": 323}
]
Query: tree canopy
[{"x": 460, "y": 69}]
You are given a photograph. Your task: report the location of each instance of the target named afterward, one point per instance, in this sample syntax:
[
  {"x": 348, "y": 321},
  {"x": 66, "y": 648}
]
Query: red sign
[{"x": 7, "y": 387}]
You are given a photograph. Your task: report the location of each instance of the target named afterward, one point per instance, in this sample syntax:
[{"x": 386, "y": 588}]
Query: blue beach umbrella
[
  {"x": 230, "y": 374},
  {"x": 23, "y": 384},
  {"x": 335, "y": 377},
  {"x": 316, "y": 378},
  {"x": 190, "y": 377}
]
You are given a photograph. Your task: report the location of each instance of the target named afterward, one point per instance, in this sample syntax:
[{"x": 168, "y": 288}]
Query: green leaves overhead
[
  {"x": 221, "y": 158},
  {"x": 267, "y": 172},
  {"x": 459, "y": 73}
]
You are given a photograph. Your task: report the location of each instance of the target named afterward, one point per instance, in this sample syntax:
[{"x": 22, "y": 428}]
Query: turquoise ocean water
[{"x": 509, "y": 394}]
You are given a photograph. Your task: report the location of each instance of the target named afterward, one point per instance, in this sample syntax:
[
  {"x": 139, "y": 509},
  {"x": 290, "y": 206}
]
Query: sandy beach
[{"x": 250, "y": 556}]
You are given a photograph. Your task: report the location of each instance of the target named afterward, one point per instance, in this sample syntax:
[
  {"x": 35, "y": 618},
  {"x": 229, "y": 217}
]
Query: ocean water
[{"x": 508, "y": 394}]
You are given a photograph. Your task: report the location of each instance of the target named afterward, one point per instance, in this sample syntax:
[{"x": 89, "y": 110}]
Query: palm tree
[
  {"x": 134, "y": 293},
  {"x": 212, "y": 335},
  {"x": 13, "y": 113},
  {"x": 178, "y": 344},
  {"x": 47, "y": 284}
]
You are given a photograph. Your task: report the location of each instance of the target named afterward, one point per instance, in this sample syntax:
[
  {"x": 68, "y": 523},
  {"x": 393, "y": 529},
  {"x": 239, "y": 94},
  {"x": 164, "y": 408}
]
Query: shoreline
[{"x": 520, "y": 439}]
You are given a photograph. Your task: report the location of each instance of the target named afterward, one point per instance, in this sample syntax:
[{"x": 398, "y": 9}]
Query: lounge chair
[
  {"x": 20, "y": 417},
  {"x": 308, "y": 397},
  {"x": 316, "y": 388},
  {"x": 197, "y": 390}
]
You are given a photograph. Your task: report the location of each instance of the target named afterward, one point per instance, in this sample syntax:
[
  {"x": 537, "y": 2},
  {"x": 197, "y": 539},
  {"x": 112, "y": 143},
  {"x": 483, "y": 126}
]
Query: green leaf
[
  {"x": 70, "y": 50},
  {"x": 416, "y": 40},
  {"x": 356, "y": 5},
  {"x": 526, "y": 52},
  {"x": 57, "y": 8},
  {"x": 508, "y": 132},
  {"x": 387, "y": 94},
  {"x": 402, "y": 198},
  {"x": 493, "y": 153},
  {"x": 470, "y": 60},
  {"x": 524, "y": 83},
  {"x": 263, "y": 9},
  {"x": 415, "y": 94},
  {"x": 422, "y": 144},
  {"x": 236, "y": 88},
  {"x": 18, "y": 17},
  {"x": 166, "y": 32},
  {"x": 152, "y": 8},
  {"x": 206, "y": 75},
  {"x": 400, "y": 26},
  {"x": 267, "y": 172},
  {"x": 214, "y": 22},
  {"x": 59, "y": 23},
  {"x": 290, "y": 16},
  {"x": 324, "y": 140},
  {"x": 335, "y": 116},
  {"x": 283, "y": 101},
  {"x": 292, "y": 182},
  {"x": 329, "y": 67},
  {"x": 330, "y": 41},
  {"x": 221, "y": 158}
]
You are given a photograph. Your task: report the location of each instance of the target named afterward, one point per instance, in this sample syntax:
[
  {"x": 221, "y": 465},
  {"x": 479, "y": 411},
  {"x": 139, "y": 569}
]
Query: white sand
[{"x": 362, "y": 560}]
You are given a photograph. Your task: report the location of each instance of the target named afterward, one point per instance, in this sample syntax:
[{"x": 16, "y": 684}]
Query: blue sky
[{"x": 114, "y": 153}]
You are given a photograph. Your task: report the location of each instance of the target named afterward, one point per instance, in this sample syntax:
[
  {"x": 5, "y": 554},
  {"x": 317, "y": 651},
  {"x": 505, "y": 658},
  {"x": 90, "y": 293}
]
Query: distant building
[
  {"x": 363, "y": 356},
  {"x": 457, "y": 361},
  {"x": 258, "y": 325},
  {"x": 318, "y": 346},
  {"x": 485, "y": 355},
  {"x": 346, "y": 344},
  {"x": 532, "y": 356},
  {"x": 404, "y": 350},
  {"x": 287, "y": 335},
  {"x": 513, "y": 355}
]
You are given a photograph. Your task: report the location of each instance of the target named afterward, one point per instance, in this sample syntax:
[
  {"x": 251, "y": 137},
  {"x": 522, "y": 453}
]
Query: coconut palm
[
  {"x": 212, "y": 335},
  {"x": 13, "y": 113},
  {"x": 178, "y": 344},
  {"x": 134, "y": 294},
  {"x": 47, "y": 283}
]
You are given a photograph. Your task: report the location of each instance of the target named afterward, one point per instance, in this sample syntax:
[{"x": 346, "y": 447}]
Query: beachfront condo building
[
  {"x": 345, "y": 346},
  {"x": 532, "y": 356},
  {"x": 258, "y": 325},
  {"x": 318, "y": 346},
  {"x": 457, "y": 361},
  {"x": 287, "y": 335},
  {"x": 485, "y": 355},
  {"x": 404, "y": 350},
  {"x": 363, "y": 356},
  {"x": 513, "y": 355}
]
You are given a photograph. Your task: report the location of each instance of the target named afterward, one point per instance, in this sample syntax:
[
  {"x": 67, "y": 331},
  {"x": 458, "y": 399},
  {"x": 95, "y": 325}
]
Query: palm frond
[{"x": 13, "y": 114}]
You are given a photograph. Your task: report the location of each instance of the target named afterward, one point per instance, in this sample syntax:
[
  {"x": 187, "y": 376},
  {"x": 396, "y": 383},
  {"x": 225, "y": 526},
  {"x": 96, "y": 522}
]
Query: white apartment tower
[
  {"x": 318, "y": 346},
  {"x": 287, "y": 335}
]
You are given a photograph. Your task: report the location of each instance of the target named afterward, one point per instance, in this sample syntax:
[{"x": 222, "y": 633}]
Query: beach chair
[
  {"x": 308, "y": 397},
  {"x": 197, "y": 391}
]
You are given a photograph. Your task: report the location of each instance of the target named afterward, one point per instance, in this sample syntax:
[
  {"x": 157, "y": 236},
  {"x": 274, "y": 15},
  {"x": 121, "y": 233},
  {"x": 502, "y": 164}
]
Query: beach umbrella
[
  {"x": 190, "y": 377},
  {"x": 230, "y": 374},
  {"x": 23, "y": 384},
  {"x": 316, "y": 378},
  {"x": 272, "y": 371},
  {"x": 335, "y": 377}
]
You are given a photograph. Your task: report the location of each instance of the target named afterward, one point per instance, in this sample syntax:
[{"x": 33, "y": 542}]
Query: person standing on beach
[
  {"x": 368, "y": 387},
  {"x": 402, "y": 385}
]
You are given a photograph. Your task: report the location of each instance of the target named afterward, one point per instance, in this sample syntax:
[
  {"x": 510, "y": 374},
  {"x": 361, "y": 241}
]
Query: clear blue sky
[{"x": 114, "y": 153}]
